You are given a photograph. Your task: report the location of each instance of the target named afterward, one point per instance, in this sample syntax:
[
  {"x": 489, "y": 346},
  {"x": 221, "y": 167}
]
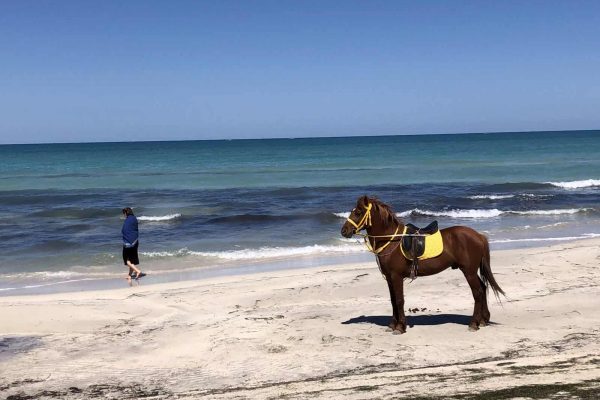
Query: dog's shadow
[{"x": 412, "y": 320}]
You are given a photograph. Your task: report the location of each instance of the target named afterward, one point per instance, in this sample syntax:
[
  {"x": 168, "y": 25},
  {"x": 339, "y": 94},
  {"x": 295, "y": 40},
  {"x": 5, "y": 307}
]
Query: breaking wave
[
  {"x": 577, "y": 184},
  {"x": 478, "y": 213},
  {"x": 263, "y": 252},
  {"x": 492, "y": 213}
]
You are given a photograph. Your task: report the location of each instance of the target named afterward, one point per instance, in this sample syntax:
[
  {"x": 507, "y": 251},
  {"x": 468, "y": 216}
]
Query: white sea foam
[
  {"x": 159, "y": 218},
  {"x": 491, "y": 213},
  {"x": 52, "y": 275},
  {"x": 539, "y": 196},
  {"x": 492, "y": 196},
  {"x": 263, "y": 252},
  {"x": 278, "y": 252},
  {"x": 178, "y": 253},
  {"x": 551, "y": 212},
  {"x": 475, "y": 213},
  {"x": 551, "y": 225},
  {"x": 39, "y": 285},
  {"x": 550, "y": 239},
  {"x": 56, "y": 283},
  {"x": 577, "y": 184}
]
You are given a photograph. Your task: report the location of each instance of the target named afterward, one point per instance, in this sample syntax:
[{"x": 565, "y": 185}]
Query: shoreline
[
  {"x": 190, "y": 272},
  {"x": 317, "y": 332}
]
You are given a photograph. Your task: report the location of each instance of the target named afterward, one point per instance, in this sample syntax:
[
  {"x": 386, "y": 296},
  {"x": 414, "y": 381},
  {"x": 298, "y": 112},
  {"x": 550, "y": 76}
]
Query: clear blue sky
[{"x": 73, "y": 71}]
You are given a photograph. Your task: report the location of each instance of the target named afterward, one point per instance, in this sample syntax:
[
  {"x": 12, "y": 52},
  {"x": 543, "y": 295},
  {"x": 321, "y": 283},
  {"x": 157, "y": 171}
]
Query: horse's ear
[{"x": 364, "y": 201}]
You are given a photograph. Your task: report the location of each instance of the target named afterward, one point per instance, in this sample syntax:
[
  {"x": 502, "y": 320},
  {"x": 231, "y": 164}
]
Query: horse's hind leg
[
  {"x": 478, "y": 291},
  {"x": 484, "y": 307}
]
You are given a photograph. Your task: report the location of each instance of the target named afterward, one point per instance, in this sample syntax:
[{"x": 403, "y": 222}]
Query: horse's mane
[{"x": 386, "y": 213}]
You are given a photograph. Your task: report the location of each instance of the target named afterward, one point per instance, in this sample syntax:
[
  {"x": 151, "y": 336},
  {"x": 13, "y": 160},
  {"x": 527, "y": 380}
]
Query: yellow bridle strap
[
  {"x": 379, "y": 250},
  {"x": 364, "y": 221}
]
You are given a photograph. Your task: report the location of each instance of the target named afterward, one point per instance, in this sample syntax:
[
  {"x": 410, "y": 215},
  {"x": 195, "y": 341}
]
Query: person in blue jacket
[{"x": 130, "y": 244}]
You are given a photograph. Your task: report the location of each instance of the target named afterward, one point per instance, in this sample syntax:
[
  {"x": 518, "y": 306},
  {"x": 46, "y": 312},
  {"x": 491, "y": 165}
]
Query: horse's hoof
[
  {"x": 399, "y": 330},
  {"x": 473, "y": 328},
  {"x": 483, "y": 324}
]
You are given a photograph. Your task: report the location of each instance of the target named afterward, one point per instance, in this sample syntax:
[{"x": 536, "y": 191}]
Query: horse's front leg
[
  {"x": 398, "y": 288},
  {"x": 395, "y": 315}
]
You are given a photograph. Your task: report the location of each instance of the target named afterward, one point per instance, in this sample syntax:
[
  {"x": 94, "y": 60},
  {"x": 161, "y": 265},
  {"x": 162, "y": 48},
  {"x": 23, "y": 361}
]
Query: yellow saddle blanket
[{"x": 434, "y": 246}]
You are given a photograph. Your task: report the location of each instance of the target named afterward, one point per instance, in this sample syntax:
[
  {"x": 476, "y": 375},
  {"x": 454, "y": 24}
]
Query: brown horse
[{"x": 464, "y": 248}]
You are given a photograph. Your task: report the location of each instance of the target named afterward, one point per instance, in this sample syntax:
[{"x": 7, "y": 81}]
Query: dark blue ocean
[{"x": 251, "y": 205}]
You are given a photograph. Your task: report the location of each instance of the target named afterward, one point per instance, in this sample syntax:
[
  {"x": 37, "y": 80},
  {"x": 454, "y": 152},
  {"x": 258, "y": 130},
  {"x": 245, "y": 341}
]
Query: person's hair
[{"x": 127, "y": 211}]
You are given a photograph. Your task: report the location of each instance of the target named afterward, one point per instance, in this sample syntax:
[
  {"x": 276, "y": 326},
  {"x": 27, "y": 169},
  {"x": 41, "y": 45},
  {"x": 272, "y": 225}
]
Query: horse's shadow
[{"x": 412, "y": 320}]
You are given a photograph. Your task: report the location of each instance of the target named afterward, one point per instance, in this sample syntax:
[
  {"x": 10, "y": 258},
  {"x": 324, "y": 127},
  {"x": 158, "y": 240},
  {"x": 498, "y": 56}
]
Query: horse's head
[
  {"x": 369, "y": 213},
  {"x": 360, "y": 217}
]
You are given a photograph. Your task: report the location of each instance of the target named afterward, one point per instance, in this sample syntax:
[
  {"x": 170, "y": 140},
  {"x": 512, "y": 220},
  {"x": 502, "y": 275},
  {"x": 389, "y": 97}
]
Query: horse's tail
[{"x": 486, "y": 271}]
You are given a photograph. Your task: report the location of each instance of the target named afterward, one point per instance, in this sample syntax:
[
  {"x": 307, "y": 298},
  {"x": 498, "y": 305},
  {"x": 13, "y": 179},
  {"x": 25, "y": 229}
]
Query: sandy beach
[{"x": 314, "y": 333}]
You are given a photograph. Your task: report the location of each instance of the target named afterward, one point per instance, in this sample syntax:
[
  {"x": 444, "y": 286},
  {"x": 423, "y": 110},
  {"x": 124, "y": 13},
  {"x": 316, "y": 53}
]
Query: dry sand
[{"x": 314, "y": 333}]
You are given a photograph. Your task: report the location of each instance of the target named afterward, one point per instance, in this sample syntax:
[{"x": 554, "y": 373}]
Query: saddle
[{"x": 417, "y": 248}]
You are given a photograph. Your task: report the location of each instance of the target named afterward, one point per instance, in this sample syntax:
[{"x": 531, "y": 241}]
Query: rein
[
  {"x": 365, "y": 235},
  {"x": 380, "y": 249}
]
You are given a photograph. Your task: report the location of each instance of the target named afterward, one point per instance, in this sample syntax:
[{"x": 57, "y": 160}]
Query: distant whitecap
[
  {"x": 492, "y": 196},
  {"x": 159, "y": 218}
]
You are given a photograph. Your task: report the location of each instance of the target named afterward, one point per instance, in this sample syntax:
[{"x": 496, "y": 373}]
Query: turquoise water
[
  {"x": 488, "y": 158},
  {"x": 256, "y": 204}
]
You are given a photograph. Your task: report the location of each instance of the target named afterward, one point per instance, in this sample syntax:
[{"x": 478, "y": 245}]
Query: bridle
[{"x": 365, "y": 222}]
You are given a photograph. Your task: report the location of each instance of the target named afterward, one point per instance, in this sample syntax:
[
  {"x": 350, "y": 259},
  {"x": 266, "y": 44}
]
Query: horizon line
[{"x": 301, "y": 137}]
